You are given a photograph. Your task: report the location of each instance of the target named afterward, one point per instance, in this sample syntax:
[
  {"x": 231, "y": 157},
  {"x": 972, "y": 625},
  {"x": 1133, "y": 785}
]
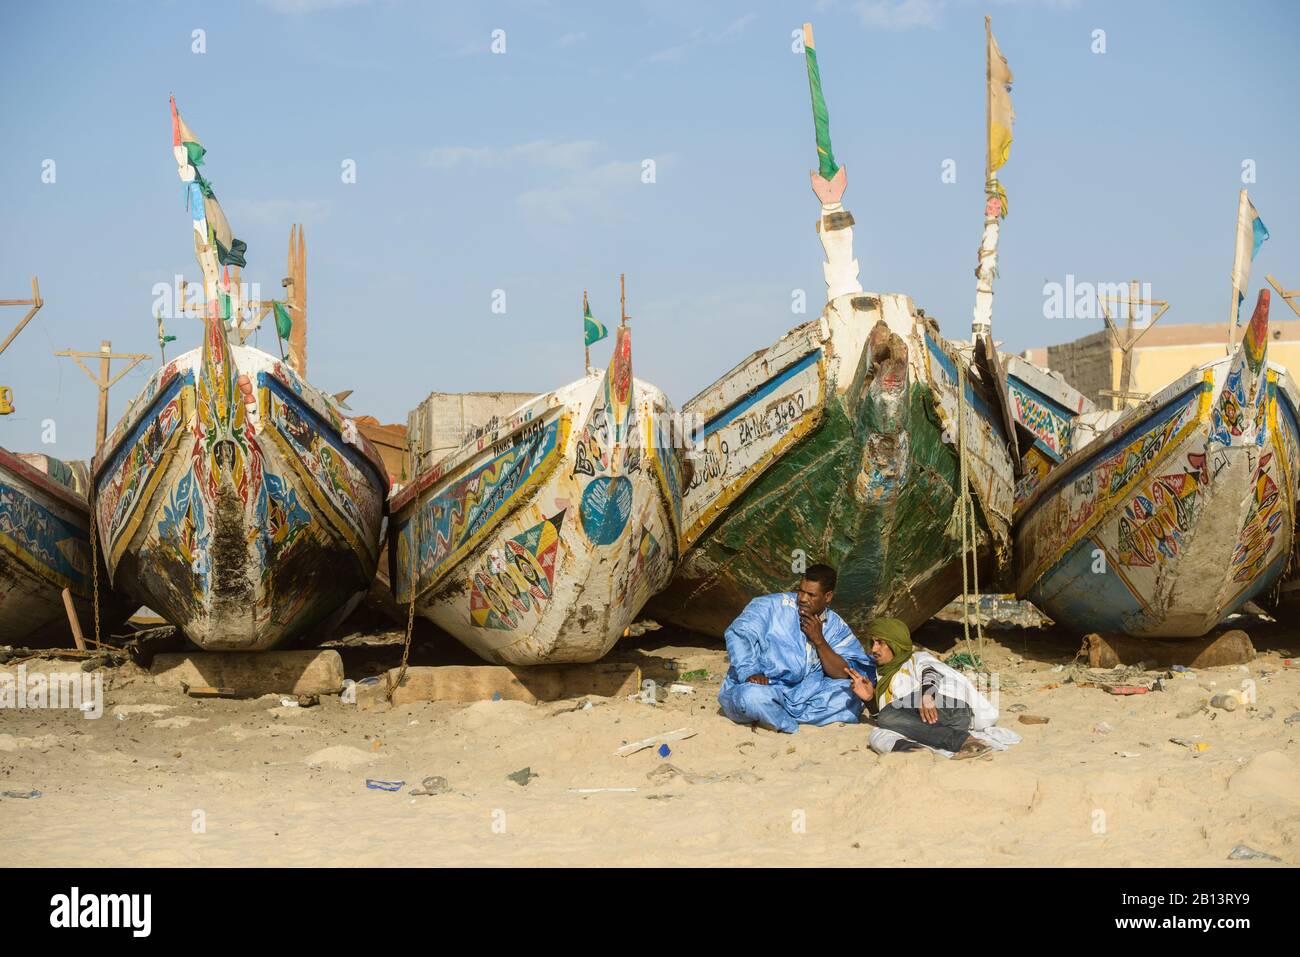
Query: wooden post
[
  {"x": 1124, "y": 392},
  {"x": 73, "y": 620},
  {"x": 1289, "y": 296},
  {"x": 586, "y": 349},
  {"x": 297, "y": 287},
  {"x": 622, "y": 301},
  {"x": 105, "y": 380},
  {"x": 35, "y": 302},
  {"x": 105, "y": 365}
]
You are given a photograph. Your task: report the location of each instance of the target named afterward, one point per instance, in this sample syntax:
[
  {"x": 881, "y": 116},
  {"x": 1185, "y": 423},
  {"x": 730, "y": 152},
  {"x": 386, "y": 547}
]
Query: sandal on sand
[{"x": 976, "y": 750}]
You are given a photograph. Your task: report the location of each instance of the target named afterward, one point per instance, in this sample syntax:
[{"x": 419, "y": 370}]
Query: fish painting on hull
[{"x": 540, "y": 541}]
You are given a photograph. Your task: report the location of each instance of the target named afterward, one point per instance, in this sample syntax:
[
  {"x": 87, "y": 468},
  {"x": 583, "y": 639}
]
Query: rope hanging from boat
[
  {"x": 414, "y": 448},
  {"x": 94, "y": 562},
  {"x": 966, "y": 520}
]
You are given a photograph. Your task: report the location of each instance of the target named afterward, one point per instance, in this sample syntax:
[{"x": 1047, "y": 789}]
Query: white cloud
[
  {"x": 275, "y": 212},
  {"x": 899, "y": 14},
  {"x": 543, "y": 154},
  {"x": 569, "y": 39},
  {"x": 700, "y": 36},
  {"x": 582, "y": 197}
]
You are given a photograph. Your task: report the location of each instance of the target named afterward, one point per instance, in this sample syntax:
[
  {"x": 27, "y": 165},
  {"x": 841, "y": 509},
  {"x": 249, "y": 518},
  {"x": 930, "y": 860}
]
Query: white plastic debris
[{"x": 349, "y": 691}]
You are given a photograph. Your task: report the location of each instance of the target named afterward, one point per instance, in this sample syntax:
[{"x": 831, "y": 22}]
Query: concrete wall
[
  {"x": 1164, "y": 354},
  {"x": 439, "y": 424},
  {"x": 1089, "y": 364}
]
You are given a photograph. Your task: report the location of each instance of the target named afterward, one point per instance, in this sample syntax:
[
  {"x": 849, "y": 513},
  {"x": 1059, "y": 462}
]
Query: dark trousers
[{"x": 948, "y": 734}]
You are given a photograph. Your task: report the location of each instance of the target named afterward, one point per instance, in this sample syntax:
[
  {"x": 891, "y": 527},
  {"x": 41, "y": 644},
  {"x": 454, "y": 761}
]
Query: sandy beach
[{"x": 164, "y": 779}]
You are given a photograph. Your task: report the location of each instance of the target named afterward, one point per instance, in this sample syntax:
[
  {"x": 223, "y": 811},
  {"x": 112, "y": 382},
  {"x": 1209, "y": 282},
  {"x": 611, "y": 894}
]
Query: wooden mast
[
  {"x": 1233, "y": 313},
  {"x": 297, "y": 294}
]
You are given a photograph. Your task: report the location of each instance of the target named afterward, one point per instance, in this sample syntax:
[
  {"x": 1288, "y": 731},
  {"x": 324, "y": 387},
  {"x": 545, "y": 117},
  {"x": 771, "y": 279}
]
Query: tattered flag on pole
[
  {"x": 593, "y": 330},
  {"x": 283, "y": 321},
  {"x": 1001, "y": 114},
  {"x": 821, "y": 118},
  {"x": 163, "y": 338},
  {"x": 1251, "y": 233}
]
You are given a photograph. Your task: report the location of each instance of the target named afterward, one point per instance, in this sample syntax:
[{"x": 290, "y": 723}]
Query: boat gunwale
[
  {"x": 455, "y": 461},
  {"x": 47, "y": 483}
]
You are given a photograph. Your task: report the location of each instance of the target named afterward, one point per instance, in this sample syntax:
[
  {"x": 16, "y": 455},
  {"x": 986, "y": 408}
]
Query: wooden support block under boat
[
  {"x": 532, "y": 683},
  {"x": 1227, "y": 648},
  {"x": 257, "y": 672}
]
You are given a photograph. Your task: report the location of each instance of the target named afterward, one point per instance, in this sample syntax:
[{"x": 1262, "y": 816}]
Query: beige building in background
[{"x": 1164, "y": 353}]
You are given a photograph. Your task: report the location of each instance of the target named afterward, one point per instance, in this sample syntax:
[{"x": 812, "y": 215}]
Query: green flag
[
  {"x": 163, "y": 338},
  {"x": 283, "y": 323},
  {"x": 592, "y": 329},
  {"x": 821, "y": 119}
]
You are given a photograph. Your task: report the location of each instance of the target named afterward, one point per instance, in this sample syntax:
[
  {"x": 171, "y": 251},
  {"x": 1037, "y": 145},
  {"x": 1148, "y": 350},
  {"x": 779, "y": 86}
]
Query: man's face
[
  {"x": 811, "y": 597},
  {"x": 881, "y": 652}
]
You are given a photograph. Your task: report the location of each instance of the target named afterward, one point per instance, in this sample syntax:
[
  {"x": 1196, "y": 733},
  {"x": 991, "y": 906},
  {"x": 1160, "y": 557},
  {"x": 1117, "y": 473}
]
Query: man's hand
[
  {"x": 757, "y": 679},
  {"x": 862, "y": 687},
  {"x": 811, "y": 626},
  {"x": 929, "y": 713}
]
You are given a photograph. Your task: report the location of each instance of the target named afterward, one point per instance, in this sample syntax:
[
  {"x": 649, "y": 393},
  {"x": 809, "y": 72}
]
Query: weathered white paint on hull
[
  {"x": 1181, "y": 512},
  {"x": 540, "y": 541},
  {"x": 236, "y": 501}
]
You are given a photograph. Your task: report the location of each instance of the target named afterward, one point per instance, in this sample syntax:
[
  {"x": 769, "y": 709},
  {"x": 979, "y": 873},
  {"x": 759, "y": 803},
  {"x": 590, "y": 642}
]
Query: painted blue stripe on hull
[
  {"x": 323, "y": 427},
  {"x": 161, "y": 399},
  {"x": 740, "y": 406},
  {"x": 1091, "y": 452}
]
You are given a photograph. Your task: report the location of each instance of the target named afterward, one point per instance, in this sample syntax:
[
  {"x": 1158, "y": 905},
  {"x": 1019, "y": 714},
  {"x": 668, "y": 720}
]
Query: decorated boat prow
[
  {"x": 1181, "y": 513},
  {"x": 233, "y": 497},
  {"x": 539, "y": 540},
  {"x": 843, "y": 443}
]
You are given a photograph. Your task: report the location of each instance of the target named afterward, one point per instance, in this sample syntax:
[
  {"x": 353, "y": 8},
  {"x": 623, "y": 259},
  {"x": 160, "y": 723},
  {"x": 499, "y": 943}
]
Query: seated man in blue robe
[{"x": 791, "y": 659}]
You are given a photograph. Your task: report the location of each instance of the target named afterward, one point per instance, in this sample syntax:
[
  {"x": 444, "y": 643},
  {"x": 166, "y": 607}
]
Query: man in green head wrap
[{"x": 920, "y": 699}]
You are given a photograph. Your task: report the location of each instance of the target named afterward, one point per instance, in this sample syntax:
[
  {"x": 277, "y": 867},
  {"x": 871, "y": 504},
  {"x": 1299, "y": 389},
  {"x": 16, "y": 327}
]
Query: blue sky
[{"x": 522, "y": 171}]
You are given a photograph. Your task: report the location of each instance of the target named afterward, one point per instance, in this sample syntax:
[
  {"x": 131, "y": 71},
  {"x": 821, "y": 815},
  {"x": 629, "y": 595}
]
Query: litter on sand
[
  {"x": 384, "y": 785},
  {"x": 635, "y": 746}
]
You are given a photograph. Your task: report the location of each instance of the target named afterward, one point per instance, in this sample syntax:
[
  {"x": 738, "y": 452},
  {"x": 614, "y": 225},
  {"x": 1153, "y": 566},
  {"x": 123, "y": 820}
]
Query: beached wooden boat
[
  {"x": 235, "y": 500},
  {"x": 1183, "y": 511},
  {"x": 233, "y": 497},
  {"x": 842, "y": 444},
  {"x": 839, "y": 444},
  {"x": 540, "y": 539},
  {"x": 45, "y": 548}
]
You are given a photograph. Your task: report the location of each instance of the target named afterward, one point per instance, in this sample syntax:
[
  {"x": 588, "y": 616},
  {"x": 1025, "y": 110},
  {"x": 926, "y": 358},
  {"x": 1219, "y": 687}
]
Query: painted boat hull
[
  {"x": 44, "y": 548},
  {"x": 1044, "y": 408},
  {"x": 541, "y": 540},
  {"x": 838, "y": 444},
  {"x": 235, "y": 501},
  {"x": 1182, "y": 512}
]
